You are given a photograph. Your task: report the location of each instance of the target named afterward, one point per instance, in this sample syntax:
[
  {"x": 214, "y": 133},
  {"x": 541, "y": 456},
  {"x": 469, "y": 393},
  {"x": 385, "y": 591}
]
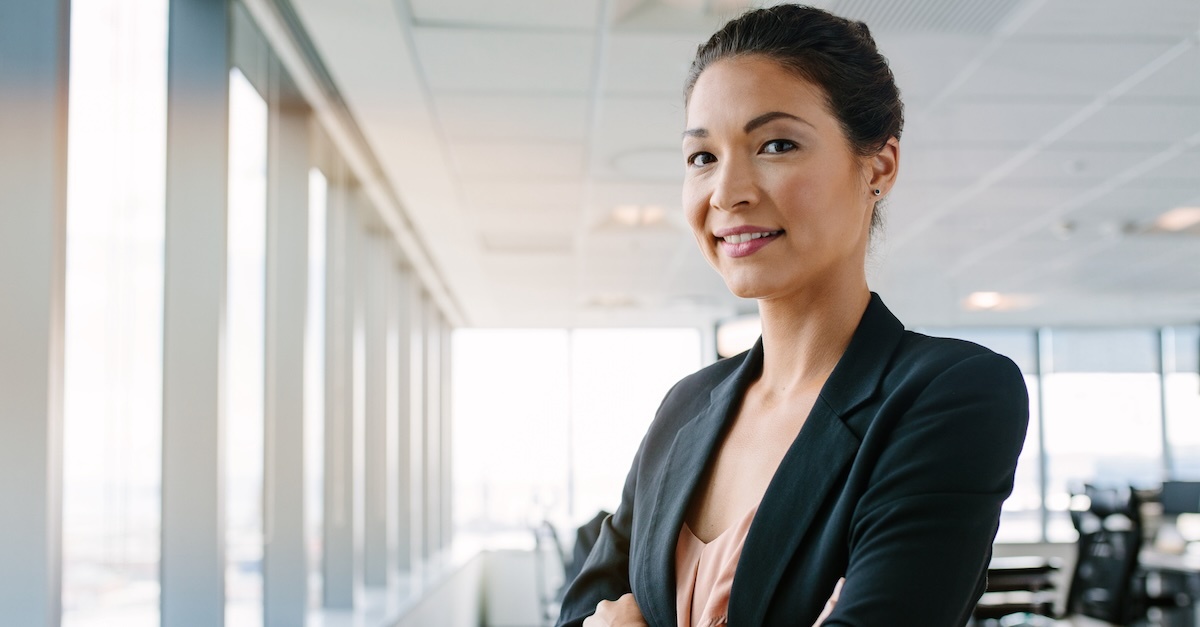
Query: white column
[
  {"x": 433, "y": 430},
  {"x": 285, "y": 588},
  {"x": 193, "y": 541},
  {"x": 416, "y": 449},
  {"x": 400, "y": 409},
  {"x": 375, "y": 524},
  {"x": 34, "y": 52},
  {"x": 339, "y": 542},
  {"x": 447, "y": 532}
]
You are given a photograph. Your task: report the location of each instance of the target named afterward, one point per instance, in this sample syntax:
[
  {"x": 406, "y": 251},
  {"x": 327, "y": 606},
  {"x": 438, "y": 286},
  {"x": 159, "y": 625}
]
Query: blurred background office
[{"x": 313, "y": 311}]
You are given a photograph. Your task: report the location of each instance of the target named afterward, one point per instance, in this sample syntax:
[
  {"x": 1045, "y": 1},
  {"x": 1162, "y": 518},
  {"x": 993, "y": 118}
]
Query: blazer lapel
[
  {"x": 690, "y": 451},
  {"x": 810, "y": 469}
]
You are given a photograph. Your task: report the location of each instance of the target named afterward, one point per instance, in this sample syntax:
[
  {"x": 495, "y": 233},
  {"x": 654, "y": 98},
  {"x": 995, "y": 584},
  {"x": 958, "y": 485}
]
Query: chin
[{"x": 750, "y": 289}]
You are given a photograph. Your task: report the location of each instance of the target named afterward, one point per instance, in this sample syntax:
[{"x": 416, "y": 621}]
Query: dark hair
[{"x": 837, "y": 54}]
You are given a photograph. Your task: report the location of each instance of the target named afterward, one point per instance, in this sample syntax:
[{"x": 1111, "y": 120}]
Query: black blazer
[{"x": 895, "y": 481}]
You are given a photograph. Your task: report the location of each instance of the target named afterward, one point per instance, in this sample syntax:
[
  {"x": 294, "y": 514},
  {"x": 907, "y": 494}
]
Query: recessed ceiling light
[
  {"x": 982, "y": 300},
  {"x": 627, "y": 215},
  {"x": 1178, "y": 219},
  {"x": 638, "y": 215},
  {"x": 996, "y": 301}
]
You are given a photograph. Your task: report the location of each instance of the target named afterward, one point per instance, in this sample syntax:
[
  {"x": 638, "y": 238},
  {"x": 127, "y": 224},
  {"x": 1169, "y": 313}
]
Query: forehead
[{"x": 747, "y": 86}]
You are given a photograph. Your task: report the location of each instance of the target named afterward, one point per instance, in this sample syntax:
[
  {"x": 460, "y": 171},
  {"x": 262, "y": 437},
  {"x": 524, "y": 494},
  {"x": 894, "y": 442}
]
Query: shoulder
[{"x": 922, "y": 359}]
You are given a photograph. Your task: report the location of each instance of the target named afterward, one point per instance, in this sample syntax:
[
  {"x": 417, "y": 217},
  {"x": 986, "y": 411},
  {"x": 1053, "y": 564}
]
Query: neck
[{"x": 805, "y": 334}]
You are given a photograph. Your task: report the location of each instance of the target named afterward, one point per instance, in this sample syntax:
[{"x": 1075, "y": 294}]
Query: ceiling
[{"x": 1043, "y": 138}]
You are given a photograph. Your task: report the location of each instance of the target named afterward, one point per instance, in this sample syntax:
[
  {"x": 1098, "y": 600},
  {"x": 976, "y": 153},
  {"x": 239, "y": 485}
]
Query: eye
[
  {"x": 700, "y": 159},
  {"x": 777, "y": 146}
]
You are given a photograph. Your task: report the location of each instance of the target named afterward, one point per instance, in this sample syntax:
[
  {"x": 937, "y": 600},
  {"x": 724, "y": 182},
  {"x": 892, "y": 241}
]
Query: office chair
[{"x": 1104, "y": 584}]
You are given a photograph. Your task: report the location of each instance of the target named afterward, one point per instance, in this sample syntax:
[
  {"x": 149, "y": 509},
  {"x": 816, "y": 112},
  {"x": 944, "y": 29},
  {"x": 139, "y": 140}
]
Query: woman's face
[{"x": 779, "y": 203}]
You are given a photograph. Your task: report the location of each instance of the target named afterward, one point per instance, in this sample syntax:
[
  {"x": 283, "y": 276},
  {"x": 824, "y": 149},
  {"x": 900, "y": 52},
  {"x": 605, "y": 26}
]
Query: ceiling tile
[
  {"x": 1003, "y": 122},
  {"x": 536, "y": 118},
  {"x": 499, "y": 196},
  {"x": 638, "y": 138},
  {"x": 550, "y": 14},
  {"x": 505, "y": 61},
  {"x": 1044, "y": 69},
  {"x": 1175, "y": 81},
  {"x": 925, "y": 63},
  {"x": 1133, "y": 122},
  {"x": 648, "y": 63},
  {"x": 1114, "y": 18},
  {"x": 506, "y": 160}
]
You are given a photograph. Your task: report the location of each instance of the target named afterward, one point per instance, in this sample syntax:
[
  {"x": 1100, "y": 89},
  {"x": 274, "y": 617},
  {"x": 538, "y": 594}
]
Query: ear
[{"x": 883, "y": 167}]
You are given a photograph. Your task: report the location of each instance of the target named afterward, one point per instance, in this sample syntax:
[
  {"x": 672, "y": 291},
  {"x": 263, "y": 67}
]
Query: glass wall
[
  {"x": 546, "y": 422},
  {"x": 117, "y": 289},
  {"x": 1181, "y": 399},
  {"x": 114, "y": 298}
]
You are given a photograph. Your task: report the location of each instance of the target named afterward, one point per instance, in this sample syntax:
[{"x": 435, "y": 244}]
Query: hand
[
  {"x": 829, "y": 605},
  {"x": 623, "y": 612}
]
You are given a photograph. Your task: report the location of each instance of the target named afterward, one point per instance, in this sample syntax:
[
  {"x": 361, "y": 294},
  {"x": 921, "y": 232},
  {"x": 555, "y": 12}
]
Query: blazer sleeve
[
  {"x": 921, "y": 536},
  {"x": 605, "y": 574}
]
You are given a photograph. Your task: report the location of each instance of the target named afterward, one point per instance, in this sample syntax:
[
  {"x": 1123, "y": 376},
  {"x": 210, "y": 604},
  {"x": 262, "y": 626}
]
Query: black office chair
[{"x": 1104, "y": 584}]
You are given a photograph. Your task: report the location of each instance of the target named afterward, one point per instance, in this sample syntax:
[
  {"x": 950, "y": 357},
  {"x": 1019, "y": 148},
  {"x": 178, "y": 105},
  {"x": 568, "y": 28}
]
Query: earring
[{"x": 878, "y": 192}]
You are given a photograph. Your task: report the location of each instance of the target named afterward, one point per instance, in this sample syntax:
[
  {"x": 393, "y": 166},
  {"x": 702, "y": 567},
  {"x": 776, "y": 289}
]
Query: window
[
  {"x": 245, "y": 319},
  {"x": 546, "y": 422},
  {"x": 1103, "y": 415},
  {"x": 113, "y": 379},
  {"x": 1181, "y": 393},
  {"x": 314, "y": 384}
]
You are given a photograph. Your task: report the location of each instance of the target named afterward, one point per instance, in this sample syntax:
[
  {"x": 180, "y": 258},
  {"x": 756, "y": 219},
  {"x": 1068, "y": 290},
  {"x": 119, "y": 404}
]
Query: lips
[{"x": 744, "y": 241}]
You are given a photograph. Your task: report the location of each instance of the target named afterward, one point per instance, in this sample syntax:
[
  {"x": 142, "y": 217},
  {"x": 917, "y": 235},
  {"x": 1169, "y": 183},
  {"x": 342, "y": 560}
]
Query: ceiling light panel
[
  {"x": 505, "y": 62},
  {"x": 548, "y": 14}
]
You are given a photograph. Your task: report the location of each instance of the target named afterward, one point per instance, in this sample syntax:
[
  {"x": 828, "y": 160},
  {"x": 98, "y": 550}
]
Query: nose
[{"x": 734, "y": 186}]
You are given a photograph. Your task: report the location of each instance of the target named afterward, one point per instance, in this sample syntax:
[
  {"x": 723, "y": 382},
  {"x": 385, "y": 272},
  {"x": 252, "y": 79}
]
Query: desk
[{"x": 1171, "y": 574}]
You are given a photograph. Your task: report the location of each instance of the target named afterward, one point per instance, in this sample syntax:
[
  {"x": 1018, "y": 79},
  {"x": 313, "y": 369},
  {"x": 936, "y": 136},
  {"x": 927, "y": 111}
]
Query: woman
[{"x": 841, "y": 447}]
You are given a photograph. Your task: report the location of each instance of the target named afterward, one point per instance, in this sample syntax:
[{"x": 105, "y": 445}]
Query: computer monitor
[{"x": 1180, "y": 497}]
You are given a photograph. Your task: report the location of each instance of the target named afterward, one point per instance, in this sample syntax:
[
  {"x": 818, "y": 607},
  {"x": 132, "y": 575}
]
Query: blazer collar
[
  {"x": 686, "y": 459},
  {"x": 859, "y": 371},
  {"x": 823, "y": 448},
  {"x": 813, "y": 466}
]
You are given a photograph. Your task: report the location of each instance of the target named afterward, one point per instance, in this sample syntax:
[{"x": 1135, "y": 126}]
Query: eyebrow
[{"x": 761, "y": 120}]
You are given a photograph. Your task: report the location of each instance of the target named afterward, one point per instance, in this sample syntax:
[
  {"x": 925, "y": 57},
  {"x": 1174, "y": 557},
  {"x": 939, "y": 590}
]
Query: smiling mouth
[{"x": 742, "y": 238}]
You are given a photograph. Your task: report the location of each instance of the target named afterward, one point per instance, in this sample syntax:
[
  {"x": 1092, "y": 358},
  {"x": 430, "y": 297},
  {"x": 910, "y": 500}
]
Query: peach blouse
[{"x": 704, "y": 574}]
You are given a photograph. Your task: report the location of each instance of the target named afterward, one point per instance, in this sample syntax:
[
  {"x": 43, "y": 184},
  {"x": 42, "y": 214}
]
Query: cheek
[{"x": 694, "y": 206}]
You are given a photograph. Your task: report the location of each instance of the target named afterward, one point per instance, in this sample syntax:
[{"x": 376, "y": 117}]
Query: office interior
[{"x": 315, "y": 311}]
